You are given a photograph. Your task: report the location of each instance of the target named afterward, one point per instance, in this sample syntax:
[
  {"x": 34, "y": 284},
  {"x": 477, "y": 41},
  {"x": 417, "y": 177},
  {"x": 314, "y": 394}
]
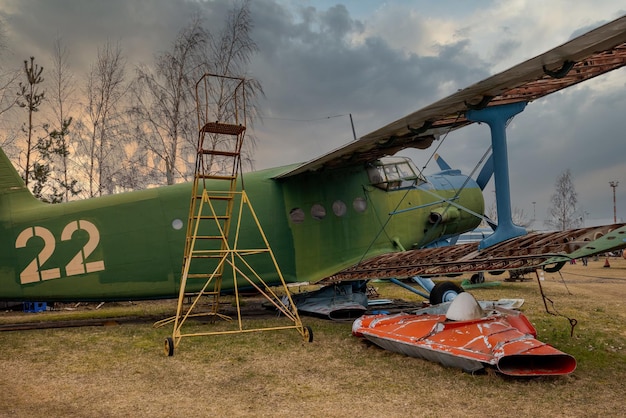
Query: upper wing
[
  {"x": 589, "y": 55},
  {"x": 529, "y": 251}
]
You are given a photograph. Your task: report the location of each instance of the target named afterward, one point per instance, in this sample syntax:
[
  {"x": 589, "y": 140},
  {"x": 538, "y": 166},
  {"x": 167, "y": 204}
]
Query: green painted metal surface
[{"x": 130, "y": 246}]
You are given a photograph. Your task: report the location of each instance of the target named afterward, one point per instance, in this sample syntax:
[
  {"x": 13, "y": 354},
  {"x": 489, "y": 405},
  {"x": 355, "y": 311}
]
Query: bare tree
[
  {"x": 518, "y": 215},
  {"x": 562, "y": 213},
  {"x": 41, "y": 153},
  {"x": 165, "y": 97},
  {"x": 105, "y": 89},
  {"x": 165, "y": 107},
  {"x": 231, "y": 53},
  {"x": 62, "y": 81},
  {"x": 30, "y": 98},
  {"x": 8, "y": 98},
  {"x": 50, "y": 148}
]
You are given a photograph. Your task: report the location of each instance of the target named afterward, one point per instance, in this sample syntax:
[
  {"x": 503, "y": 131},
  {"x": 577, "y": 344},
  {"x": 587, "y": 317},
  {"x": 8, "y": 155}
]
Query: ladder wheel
[
  {"x": 308, "y": 334},
  {"x": 169, "y": 346}
]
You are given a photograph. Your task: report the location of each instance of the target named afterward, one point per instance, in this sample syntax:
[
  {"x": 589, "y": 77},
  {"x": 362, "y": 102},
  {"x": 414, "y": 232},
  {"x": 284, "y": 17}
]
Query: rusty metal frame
[{"x": 534, "y": 250}]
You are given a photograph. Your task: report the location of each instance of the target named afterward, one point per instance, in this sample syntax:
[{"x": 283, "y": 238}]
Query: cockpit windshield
[{"x": 394, "y": 173}]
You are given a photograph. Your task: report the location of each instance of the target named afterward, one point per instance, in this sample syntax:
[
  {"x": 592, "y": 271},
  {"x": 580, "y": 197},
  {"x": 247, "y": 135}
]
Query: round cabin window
[
  {"x": 339, "y": 208},
  {"x": 318, "y": 212},
  {"x": 296, "y": 215},
  {"x": 359, "y": 204}
]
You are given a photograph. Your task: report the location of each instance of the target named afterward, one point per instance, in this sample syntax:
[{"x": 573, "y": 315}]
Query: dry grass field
[{"x": 114, "y": 371}]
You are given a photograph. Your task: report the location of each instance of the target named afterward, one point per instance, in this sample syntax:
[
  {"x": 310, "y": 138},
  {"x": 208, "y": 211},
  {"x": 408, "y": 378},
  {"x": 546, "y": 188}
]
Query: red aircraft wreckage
[{"x": 467, "y": 335}]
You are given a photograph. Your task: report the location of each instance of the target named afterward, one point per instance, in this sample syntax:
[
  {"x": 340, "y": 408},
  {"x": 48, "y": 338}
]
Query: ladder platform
[{"x": 222, "y": 128}]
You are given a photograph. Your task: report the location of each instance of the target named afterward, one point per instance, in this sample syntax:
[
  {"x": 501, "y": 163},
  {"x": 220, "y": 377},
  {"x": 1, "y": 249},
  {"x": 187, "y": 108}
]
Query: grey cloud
[{"x": 311, "y": 69}]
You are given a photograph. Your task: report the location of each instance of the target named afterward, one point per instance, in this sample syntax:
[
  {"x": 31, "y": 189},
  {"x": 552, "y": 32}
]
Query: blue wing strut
[{"x": 497, "y": 118}]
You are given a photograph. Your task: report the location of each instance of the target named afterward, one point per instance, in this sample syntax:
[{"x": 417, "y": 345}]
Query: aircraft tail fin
[
  {"x": 483, "y": 177},
  {"x": 443, "y": 165},
  {"x": 10, "y": 180}
]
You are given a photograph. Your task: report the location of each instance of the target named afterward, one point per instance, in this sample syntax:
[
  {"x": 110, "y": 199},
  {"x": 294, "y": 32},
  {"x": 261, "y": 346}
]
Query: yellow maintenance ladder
[{"x": 212, "y": 250}]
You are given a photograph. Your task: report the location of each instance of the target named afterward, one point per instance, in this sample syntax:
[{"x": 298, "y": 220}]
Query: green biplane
[{"x": 352, "y": 205}]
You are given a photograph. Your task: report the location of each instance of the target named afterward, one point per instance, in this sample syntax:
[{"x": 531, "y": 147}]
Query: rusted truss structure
[{"x": 535, "y": 250}]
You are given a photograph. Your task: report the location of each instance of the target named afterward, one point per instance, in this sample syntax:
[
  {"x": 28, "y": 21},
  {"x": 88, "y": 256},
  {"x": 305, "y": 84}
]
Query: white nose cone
[{"x": 464, "y": 308}]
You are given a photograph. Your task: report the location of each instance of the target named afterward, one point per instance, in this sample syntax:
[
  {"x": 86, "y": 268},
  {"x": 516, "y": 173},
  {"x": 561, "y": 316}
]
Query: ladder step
[
  {"x": 215, "y": 177},
  {"x": 193, "y": 295},
  {"x": 214, "y": 224},
  {"x": 201, "y": 276},
  {"x": 216, "y": 152},
  {"x": 215, "y": 197},
  {"x": 212, "y": 218},
  {"x": 209, "y": 237},
  {"x": 204, "y": 257},
  {"x": 217, "y": 252},
  {"x": 213, "y": 252}
]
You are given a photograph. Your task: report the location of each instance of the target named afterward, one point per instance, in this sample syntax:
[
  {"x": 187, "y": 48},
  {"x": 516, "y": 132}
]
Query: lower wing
[{"x": 548, "y": 250}]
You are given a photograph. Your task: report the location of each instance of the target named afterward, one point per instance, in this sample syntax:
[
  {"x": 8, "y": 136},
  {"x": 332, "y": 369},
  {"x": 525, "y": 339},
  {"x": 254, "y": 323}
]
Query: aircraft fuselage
[{"x": 130, "y": 246}]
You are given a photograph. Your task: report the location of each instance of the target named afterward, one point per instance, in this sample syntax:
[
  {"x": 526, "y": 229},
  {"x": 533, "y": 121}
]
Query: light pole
[{"x": 614, "y": 184}]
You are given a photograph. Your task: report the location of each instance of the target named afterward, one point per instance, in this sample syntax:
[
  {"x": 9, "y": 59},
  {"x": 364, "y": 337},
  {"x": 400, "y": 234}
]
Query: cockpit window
[{"x": 394, "y": 173}]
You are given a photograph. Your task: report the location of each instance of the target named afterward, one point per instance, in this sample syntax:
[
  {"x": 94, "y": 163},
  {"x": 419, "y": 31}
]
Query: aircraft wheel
[
  {"x": 444, "y": 292},
  {"x": 308, "y": 334},
  {"x": 169, "y": 346}
]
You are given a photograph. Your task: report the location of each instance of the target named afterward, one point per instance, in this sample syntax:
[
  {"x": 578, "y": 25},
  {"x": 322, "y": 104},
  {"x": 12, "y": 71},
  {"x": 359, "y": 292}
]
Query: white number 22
[{"x": 77, "y": 265}]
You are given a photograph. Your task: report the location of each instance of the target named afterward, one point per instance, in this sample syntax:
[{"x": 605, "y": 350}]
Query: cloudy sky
[{"x": 321, "y": 61}]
